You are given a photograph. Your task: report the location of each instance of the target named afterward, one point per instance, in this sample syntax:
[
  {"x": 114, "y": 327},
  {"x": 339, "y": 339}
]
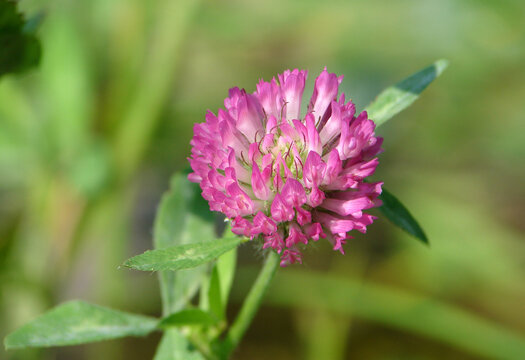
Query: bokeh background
[{"x": 89, "y": 139}]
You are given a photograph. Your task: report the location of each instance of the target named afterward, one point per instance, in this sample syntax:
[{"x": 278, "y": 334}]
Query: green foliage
[
  {"x": 399, "y": 215},
  {"x": 387, "y": 104},
  {"x": 226, "y": 265},
  {"x": 78, "y": 322},
  {"x": 215, "y": 296},
  {"x": 20, "y": 48},
  {"x": 182, "y": 256},
  {"x": 110, "y": 76},
  {"x": 183, "y": 217},
  {"x": 175, "y": 346},
  {"x": 188, "y": 317},
  {"x": 396, "y": 98}
]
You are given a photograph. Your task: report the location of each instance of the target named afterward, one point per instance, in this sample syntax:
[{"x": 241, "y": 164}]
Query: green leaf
[
  {"x": 175, "y": 346},
  {"x": 20, "y": 49},
  {"x": 225, "y": 271},
  {"x": 78, "y": 322},
  {"x": 188, "y": 317},
  {"x": 391, "y": 306},
  {"x": 182, "y": 256},
  {"x": 183, "y": 217},
  {"x": 399, "y": 215},
  {"x": 226, "y": 265},
  {"x": 400, "y": 96},
  {"x": 214, "y": 295}
]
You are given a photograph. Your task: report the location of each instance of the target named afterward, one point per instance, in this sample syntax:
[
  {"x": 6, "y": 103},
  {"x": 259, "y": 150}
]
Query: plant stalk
[{"x": 250, "y": 306}]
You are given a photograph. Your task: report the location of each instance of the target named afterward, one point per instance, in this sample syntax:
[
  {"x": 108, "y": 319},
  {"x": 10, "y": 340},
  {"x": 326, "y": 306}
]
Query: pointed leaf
[
  {"x": 188, "y": 317},
  {"x": 182, "y": 256},
  {"x": 399, "y": 215},
  {"x": 78, "y": 322},
  {"x": 400, "y": 96}
]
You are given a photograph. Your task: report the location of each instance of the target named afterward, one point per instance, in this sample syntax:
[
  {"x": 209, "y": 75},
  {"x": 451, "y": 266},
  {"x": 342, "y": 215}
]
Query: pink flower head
[{"x": 284, "y": 178}]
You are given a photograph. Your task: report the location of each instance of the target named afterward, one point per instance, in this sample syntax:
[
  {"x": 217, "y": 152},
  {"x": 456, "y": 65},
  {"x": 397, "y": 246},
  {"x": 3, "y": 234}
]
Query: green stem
[{"x": 251, "y": 305}]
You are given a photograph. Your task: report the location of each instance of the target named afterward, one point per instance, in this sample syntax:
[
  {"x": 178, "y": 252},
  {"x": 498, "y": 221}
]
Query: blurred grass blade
[
  {"x": 78, "y": 322},
  {"x": 188, "y": 317},
  {"x": 175, "y": 346},
  {"x": 393, "y": 307},
  {"x": 399, "y": 215},
  {"x": 183, "y": 256},
  {"x": 183, "y": 217},
  {"x": 162, "y": 56},
  {"x": 396, "y": 98}
]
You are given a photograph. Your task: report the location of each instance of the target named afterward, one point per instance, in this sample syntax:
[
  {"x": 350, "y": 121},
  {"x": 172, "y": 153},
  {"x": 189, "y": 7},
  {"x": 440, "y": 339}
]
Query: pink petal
[
  {"x": 249, "y": 116},
  {"x": 259, "y": 185},
  {"x": 269, "y": 95},
  {"x": 293, "y": 193},
  {"x": 290, "y": 257},
  {"x": 231, "y": 137},
  {"x": 314, "y": 231},
  {"x": 239, "y": 200},
  {"x": 314, "y": 169},
  {"x": 347, "y": 207},
  {"x": 263, "y": 224},
  {"x": 335, "y": 224},
  {"x": 333, "y": 167},
  {"x": 325, "y": 90},
  {"x": 274, "y": 241},
  {"x": 280, "y": 210},
  {"x": 295, "y": 236},
  {"x": 303, "y": 216},
  {"x": 333, "y": 126},
  {"x": 241, "y": 226},
  {"x": 339, "y": 241},
  {"x": 316, "y": 197},
  {"x": 314, "y": 141},
  {"x": 292, "y": 87}
]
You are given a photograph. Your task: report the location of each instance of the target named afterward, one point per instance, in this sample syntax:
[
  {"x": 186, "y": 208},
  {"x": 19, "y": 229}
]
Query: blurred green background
[{"x": 89, "y": 139}]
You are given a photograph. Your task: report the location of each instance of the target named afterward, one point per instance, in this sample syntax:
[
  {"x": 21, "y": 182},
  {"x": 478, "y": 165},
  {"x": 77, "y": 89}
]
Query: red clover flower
[{"x": 284, "y": 178}]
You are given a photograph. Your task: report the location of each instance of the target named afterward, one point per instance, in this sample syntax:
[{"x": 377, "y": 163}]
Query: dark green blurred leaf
[
  {"x": 399, "y": 215},
  {"x": 188, "y": 317},
  {"x": 183, "y": 217},
  {"x": 78, "y": 322},
  {"x": 174, "y": 346},
  {"x": 214, "y": 295},
  {"x": 391, "y": 306},
  {"x": 183, "y": 256},
  {"x": 20, "y": 49},
  {"x": 400, "y": 96}
]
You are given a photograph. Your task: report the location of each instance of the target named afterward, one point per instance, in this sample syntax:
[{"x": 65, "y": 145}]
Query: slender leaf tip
[{"x": 440, "y": 66}]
